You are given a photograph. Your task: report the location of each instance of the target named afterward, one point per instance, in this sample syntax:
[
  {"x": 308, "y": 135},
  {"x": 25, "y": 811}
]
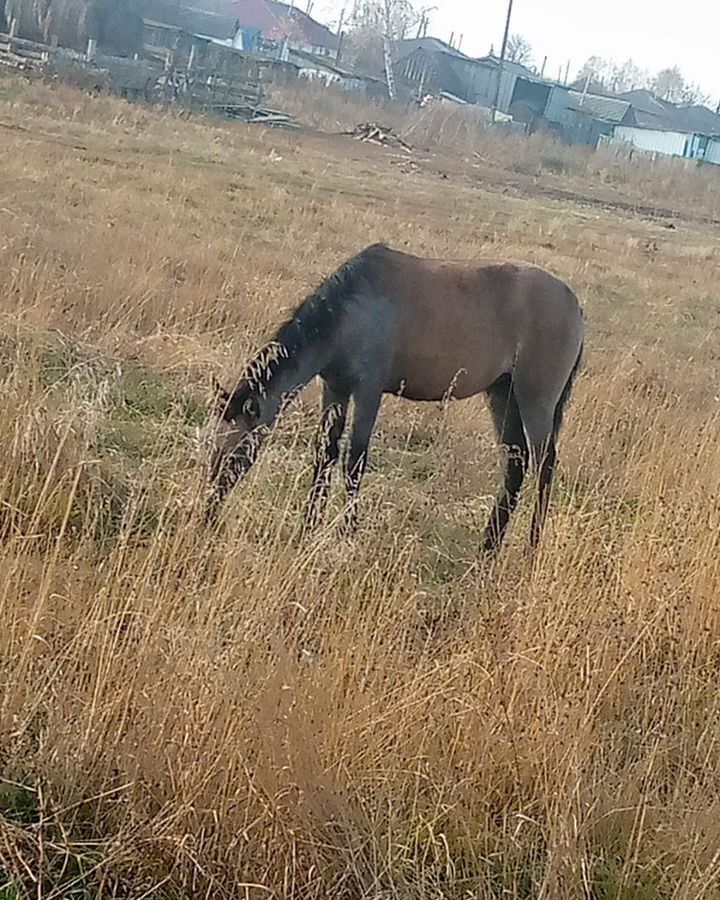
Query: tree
[
  {"x": 115, "y": 24},
  {"x": 372, "y": 27},
  {"x": 519, "y": 50},
  {"x": 693, "y": 95},
  {"x": 628, "y": 77},
  {"x": 597, "y": 71},
  {"x": 669, "y": 84}
]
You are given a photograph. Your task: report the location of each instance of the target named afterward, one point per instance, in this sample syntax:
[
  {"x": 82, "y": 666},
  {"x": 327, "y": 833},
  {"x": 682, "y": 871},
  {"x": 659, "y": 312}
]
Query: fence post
[
  {"x": 51, "y": 52},
  {"x": 12, "y": 33}
]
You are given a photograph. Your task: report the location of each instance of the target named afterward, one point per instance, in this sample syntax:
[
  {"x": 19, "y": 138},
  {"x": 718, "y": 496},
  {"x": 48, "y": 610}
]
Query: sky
[{"x": 656, "y": 34}]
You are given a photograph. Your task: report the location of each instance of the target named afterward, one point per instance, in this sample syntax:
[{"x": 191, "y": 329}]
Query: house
[
  {"x": 430, "y": 66},
  {"x": 279, "y": 23},
  {"x": 657, "y": 126},
  {"x": 649, "y": 111},
  {"x": 580, "y": 117},
  {"x": 612, "y": 110},
  {"x": 322, "y": 69},
  {"x": 165, "y": 43},
  {"x": 205, "y": 25},
  {"x": 671, "y": 142}
]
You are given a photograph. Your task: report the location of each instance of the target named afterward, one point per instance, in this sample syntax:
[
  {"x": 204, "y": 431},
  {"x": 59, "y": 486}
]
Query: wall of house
[
  {"x": 328, "y": 76},
  {"x": 670, "y": 143},
  {"x": 712, "y": 154},
  {"x": 482, "y": 82},
  {"x": 315, "y": 74}
]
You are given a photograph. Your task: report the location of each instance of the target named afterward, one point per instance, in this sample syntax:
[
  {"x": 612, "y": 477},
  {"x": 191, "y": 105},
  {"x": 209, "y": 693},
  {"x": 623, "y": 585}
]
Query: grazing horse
[{"x": 390, "y": 323}]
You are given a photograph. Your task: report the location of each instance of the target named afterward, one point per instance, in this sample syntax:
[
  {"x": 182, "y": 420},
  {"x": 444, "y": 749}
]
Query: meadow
[{"x": 253, "y": 715}]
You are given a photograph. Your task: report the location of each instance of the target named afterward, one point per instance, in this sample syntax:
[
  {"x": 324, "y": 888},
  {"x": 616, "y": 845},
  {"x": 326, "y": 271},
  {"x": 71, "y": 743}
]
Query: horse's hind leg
[
  {"x": 546, "y": 471},
  {"x": 510, "y": 434},
  {"x": 327, "y": 450},
  {"x": 539, "y": 424}
]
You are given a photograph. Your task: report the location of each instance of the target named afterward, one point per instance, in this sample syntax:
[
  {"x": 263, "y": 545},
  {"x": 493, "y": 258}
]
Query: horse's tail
[{"x": 566, "y": 393}]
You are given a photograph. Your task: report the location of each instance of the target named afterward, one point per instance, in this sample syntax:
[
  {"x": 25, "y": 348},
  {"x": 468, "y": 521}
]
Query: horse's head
[{"x": 235, "y": 432}]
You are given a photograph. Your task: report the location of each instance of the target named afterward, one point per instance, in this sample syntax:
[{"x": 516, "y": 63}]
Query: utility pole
[
  {"x": 340, "y": 35},
  {"x": 503, "y": 51}
]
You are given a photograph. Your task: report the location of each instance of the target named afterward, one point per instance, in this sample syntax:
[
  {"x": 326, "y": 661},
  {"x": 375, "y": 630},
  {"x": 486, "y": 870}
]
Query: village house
[
  {"x": 660, "y": 127},
  {"x": 278, "y": 23},
  {"x": 329, "y": 72}
]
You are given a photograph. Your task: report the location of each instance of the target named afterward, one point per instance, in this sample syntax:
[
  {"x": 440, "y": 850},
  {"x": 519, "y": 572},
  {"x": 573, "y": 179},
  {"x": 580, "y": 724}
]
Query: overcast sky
[{"x": 654, "y": 33}]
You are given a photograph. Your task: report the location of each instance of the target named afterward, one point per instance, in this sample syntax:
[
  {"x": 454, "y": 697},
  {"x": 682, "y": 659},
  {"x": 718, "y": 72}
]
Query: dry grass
[
  {"x": 250, "y": 717},
  {"x": 450, "y": 135}
]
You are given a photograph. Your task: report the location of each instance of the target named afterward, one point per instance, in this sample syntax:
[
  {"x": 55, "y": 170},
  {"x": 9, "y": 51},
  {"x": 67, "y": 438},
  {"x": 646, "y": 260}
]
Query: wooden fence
[{"x": 226, "y": 82}]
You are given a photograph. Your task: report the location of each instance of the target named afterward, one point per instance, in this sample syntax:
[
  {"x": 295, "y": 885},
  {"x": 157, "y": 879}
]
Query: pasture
[{"x": 253, "y": 716}]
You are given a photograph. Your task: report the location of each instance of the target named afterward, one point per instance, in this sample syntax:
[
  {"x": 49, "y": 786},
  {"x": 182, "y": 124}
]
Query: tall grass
[
  {"x": 249, "y": 714},
  {"x": 455, "y": 134}
]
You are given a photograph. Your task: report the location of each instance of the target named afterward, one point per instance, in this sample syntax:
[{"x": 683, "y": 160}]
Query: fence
[{"x": 226, "y": 81}]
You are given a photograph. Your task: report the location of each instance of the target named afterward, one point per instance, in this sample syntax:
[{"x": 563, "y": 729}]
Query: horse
[{"x": 387, "y": 322}]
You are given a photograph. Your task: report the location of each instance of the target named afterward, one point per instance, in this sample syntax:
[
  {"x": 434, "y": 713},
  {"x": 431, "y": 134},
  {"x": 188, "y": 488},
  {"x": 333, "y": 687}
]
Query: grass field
[{"x": 252, "y": 716}]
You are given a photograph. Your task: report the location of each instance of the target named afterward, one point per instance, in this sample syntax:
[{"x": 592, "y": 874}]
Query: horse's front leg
[
  {"x": 327, "y": 451},
  {"x": 367, "y": 406}
]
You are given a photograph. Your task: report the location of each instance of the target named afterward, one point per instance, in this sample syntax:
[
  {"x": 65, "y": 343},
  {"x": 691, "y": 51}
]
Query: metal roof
[
  {"x": 650, "y": 111},
  {"x": 279, "y": 21},
  {"x": 192, "y": 21},
  {"x": 508, "y": 66},
  {"x": 609, "y": 109},
  {"x": 298, "y": 56},
  {"x": 698, "y": 119},
  {"x": 433, "y": 45}
]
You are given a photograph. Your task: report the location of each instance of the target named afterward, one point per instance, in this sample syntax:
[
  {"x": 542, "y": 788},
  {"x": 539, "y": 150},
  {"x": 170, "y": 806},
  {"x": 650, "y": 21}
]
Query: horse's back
[{"x": 466, "y": 323}]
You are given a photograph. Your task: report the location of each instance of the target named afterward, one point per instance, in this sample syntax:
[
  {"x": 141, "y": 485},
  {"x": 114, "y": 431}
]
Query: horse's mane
[{"x": 313, "y": 322}]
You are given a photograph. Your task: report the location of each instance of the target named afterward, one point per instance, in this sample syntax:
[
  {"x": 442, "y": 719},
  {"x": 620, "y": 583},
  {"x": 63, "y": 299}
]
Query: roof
[
  {"x": 609, "y": 109},
  {"x": 299, "y": 57},
  {"x": 437, "y": 47},
  {"x": 650, "y": 111},
  {"x": 646, "y": 101},
  {"x": 446, "y": 67},
  {"x": 192, "y": 21},
  {"x": 698, "y": 119},
  {"x": 431, "y": 44},
  {"x": 279, "y": 22},
  {"x": 508, "y": 66}
]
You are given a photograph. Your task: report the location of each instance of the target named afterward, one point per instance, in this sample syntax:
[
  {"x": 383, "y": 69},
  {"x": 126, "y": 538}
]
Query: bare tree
[
  {"x": 628, "y": 77},
  {"x": 115, "y": 24},
  {"x": 693, "y": 95},
  {"x": 519, "y": 50},
  {"x": 597, "y": 72},
  {"x": 373, "y": 27},
  {"x": 669, "y": 84}
]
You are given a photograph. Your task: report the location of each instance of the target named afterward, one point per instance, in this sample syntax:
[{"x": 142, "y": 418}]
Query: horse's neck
[{"x": 293, "y": 370}]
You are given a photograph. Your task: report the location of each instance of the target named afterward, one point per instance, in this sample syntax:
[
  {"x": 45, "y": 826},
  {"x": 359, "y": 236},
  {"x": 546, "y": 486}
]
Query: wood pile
[
  {"x": 254, "y": 114},
  {"x": 371, "y": 133}
]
